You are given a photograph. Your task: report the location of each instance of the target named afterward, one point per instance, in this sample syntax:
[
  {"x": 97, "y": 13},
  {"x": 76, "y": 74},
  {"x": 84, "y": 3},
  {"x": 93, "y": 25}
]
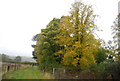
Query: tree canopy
[
  {"x": 116, "y": 37},
  {"x": 70, "y": 40}
]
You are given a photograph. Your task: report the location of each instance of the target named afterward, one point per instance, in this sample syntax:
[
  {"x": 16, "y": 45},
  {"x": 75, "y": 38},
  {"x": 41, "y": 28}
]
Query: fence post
[
  {"x": 64, "y": 71},
  {"x": 53, "y": 71}
]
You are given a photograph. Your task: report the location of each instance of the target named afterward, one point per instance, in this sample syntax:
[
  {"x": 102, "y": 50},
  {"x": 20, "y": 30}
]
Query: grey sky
[{"x": 20, "y": 20}]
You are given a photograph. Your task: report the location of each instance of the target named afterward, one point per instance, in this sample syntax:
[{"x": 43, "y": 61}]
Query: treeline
[
  {"x": 71, "y": 42},
  {"x": 6, "y": 58},
  {"x": 17, "y": 59}
]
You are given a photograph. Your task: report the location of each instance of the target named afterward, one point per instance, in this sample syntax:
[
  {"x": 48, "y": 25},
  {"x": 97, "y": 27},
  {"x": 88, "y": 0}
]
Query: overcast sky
[{"x": 20, "y": 20}]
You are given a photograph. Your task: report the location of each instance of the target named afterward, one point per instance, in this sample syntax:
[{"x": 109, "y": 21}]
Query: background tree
[
  {"x": 17, "y": 59},
  {"x": 116, "y": 36},
  {"x": 5, "y": 58}
]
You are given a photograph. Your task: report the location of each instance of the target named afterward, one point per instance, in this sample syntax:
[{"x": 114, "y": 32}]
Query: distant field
[{"x": 30, "y": 72}]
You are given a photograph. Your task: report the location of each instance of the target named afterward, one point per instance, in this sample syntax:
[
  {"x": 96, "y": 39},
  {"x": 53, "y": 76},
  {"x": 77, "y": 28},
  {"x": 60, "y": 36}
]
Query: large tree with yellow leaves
[{"x": 77, "y": 38}]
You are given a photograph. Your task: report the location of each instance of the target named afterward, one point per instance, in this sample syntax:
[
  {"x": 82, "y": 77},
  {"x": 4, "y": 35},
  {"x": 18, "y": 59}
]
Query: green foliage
[
  {"x": 17, "y": 59},
  {"x": 45, "y": 46},
  {"x": 114, "y": 69},
  {"x": 5, "y": 58},
  {"x": 30, "y": 63},
  {"x": 101, "y": 55},
  {"x": 116, "y": 36}
]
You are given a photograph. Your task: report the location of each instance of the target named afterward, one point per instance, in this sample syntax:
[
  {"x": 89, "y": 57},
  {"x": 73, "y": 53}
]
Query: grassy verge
[{"x": 29, "y": 72}]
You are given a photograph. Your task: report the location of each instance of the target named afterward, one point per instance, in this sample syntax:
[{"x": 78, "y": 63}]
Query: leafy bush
[{"x": 114, "y": 70}]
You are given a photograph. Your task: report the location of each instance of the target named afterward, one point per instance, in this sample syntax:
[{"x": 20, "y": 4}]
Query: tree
[
  {"x": 101, "y": 55},
  {"x": 45, "y": 46},
  {"x": 5, "y": 58},
  {"x": 116, "y": 36},
  {"x": 76, "y": 37},
  {"x": 17, "y": 59},
  {"x": 70, "y": 40}
]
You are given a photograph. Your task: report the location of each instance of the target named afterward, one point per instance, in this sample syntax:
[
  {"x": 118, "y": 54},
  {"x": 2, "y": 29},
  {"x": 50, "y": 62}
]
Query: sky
[{"x": 20, "y": 20}]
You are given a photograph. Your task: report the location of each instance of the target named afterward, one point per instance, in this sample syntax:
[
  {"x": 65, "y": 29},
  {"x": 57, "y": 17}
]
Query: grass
[{"x": 30, "y": 72}]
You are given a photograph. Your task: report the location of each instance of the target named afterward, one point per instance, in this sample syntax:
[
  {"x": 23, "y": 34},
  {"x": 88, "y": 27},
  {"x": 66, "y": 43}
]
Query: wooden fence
[{"x": 7, "y": 67}]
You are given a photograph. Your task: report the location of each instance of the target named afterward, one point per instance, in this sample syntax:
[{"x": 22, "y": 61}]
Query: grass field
[{"x": 30, "y": 72}]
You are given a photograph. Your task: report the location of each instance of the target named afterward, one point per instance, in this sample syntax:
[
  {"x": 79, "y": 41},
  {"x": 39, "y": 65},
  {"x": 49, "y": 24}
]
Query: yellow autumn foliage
[{"x": 77, "y": 38}]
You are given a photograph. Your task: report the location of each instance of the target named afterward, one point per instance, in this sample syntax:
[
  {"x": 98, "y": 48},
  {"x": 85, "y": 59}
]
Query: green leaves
[
  {"x": 46, "y": 46},
  {"x": 116, "y": 35},
  {"x": 101, "y": 55}
]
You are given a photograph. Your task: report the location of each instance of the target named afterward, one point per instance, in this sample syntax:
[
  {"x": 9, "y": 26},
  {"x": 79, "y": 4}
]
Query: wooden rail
[{"x": 7, "y": 67}]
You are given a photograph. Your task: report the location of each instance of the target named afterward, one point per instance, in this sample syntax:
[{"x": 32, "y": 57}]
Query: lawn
[{"x": 30, "y": 72}]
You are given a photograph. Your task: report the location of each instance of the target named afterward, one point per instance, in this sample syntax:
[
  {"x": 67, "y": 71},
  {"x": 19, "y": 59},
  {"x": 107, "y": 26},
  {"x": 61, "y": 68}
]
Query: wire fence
[{"x": 65, "y": 73}]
